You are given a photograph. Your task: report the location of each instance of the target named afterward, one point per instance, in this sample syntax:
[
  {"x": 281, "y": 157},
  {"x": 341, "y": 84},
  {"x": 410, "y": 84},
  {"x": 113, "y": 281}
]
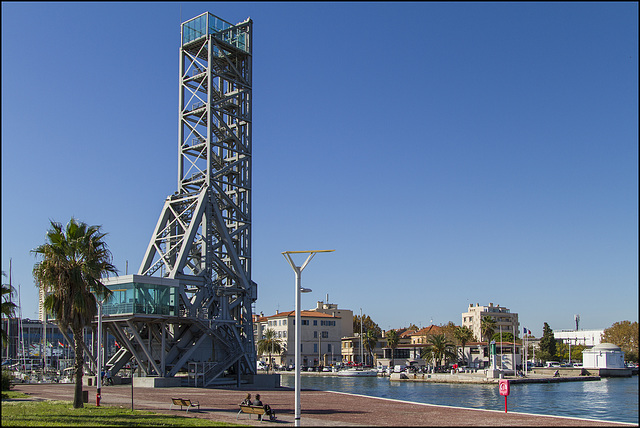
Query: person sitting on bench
[
  {"x": 267, "y": 409},
  {"x": 246, "y": 401}
]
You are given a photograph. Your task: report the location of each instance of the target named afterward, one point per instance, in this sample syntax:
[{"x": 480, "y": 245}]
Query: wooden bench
[
  {"x": 184, "y": 403},
  {"x": 251, "y": 410}
]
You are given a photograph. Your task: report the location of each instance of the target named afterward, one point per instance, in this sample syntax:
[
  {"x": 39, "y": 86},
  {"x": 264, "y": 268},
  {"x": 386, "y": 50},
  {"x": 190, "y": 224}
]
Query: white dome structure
[{"x": 603, "y": 356}]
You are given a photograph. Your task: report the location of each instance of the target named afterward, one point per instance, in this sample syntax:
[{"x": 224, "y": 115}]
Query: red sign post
[{"x": 504, "y": 390}]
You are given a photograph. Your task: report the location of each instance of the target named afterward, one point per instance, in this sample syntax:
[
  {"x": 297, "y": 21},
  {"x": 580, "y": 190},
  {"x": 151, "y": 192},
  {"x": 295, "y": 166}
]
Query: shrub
[{"x": 6, "y": 380}]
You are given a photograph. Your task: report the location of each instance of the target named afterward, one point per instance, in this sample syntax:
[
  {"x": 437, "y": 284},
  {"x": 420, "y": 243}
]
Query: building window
[
  {"x": 315, "y": 334},
  {"x": 305, "y": 322},
  {"x": 328, "y": 347},
  {"x": 315, "y": 347},
  {"x": 325, "y": 334},
  {"x": 315, "y": 322}
]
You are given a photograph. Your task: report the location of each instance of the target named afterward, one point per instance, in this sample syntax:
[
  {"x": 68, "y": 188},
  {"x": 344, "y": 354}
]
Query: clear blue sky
[{"x": 451, "y": 153}]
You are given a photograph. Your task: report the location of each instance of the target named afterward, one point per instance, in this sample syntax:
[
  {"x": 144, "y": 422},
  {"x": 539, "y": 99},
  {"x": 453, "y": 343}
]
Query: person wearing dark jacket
[{"x": 267, "y": 409}]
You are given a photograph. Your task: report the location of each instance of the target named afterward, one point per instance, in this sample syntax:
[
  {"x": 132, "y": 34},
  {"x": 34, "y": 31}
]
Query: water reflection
[{"x": 614, "y": 399}]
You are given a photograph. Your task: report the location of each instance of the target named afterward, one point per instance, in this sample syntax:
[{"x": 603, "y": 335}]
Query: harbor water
[{"x": 609, "y": 399}]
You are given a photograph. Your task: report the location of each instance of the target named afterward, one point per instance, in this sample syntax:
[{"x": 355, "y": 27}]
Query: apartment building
[
  {"x": 320, "y": 337},
  {"x": 505, "y": 320},
  {"x": 346, "y": 315}
]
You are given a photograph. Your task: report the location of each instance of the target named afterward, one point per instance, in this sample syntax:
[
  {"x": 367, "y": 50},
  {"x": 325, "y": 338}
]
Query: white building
[
  {"x": 603, "y": 356},
  {"x": 320, "y": 342},
  {"x": 345, "y": 315},
  {"x": 579, "y": 337},
  {"x": 504, "y": 318}
]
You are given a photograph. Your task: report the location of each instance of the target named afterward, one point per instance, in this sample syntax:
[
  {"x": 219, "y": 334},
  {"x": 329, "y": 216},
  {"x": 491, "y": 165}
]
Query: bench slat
[
  {"x": 252, "y": 410},
  {"x": 184, "y": 402}
]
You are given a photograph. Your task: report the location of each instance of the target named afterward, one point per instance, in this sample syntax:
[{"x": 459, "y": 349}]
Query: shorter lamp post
[{"x": 298, "y": 273}]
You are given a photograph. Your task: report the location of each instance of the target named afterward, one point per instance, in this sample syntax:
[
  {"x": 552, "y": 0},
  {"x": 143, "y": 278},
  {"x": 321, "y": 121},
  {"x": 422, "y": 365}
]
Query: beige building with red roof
[{"x": 320, "y": 341}]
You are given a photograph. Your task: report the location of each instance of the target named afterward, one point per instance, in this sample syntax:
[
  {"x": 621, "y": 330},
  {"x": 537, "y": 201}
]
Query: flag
[
  {"x": 525, "y": 331},
  {"x": 60, "y": 344},
  {"x": 116, "y": 343}
]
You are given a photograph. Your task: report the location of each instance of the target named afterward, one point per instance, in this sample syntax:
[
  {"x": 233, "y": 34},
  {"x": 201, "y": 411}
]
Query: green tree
[
  {"x": 367, "y": 325},
  {"x": 269, "y": 344},
  {"x": 487, "y": 327},
  {"x": 392, "y": 342},
  {"x": 427, "y": 355},
  {"x": 8, "y": 308},
  {"x": 506, "y": 337},
  {"x": 562, "y": 352},
  {"x": 369, "y": 341},
  {"x": 547, "y": 343},
  {"x": 441, "y": 348},
  {"x": 449, "y": 330},
  {"x": 74, "y": 260},
  {"x": 625, "y": 335},
  {"x": 463, "y": 335}
]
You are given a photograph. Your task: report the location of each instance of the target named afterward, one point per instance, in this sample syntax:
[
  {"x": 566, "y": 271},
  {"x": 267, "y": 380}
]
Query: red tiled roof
[{"x": 432, "y": 329}]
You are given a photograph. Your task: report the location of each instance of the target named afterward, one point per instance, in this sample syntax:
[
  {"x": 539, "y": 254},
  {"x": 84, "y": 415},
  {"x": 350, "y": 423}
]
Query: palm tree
[
  {"x": 75, "y": 259},
  {"x": 369, "y": 340},
  {"x": 8, "y": 308},
  {"x": 463, "y": 335},
  {"x": 487, "y": 327},
  {"x": 441, "y": 348},
  {"x": 392, "y": 342},
  {"x": 427, "y": 355},
  {"x": 269, "y": 344}
]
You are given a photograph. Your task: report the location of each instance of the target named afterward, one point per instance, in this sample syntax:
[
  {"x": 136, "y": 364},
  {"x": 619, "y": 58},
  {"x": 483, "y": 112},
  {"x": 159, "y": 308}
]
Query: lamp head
[{"x": 305, "y": 290}]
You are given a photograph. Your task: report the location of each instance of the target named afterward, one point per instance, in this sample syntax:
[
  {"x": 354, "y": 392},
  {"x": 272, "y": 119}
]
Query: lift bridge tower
[{"x": 189, "y": 307}]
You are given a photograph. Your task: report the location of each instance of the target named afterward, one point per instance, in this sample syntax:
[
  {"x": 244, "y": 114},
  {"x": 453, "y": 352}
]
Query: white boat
[{"x": 357, "y": 372}]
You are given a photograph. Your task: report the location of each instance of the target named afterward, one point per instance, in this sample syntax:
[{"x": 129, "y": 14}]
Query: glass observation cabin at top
[
  {"x": 140, "y": 294},
  {"x": 207, "y": 23}
]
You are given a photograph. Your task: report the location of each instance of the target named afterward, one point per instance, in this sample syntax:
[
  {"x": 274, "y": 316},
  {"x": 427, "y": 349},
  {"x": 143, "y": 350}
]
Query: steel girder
[{"x": 203, "y": 235}]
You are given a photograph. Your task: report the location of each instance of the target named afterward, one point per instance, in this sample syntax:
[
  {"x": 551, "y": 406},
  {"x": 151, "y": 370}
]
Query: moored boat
[{"x": 357, "y": 372}]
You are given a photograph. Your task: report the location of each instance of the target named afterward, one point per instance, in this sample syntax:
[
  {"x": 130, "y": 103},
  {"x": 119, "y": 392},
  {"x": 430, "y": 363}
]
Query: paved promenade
[{"x": 319, "y": 408}]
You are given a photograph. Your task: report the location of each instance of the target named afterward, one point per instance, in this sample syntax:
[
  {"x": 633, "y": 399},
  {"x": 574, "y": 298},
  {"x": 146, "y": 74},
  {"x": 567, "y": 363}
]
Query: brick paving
[{"x": 319, "y": 408}]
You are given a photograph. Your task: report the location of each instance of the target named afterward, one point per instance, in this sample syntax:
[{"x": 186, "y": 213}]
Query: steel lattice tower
[{"x": 200, "y": 250}]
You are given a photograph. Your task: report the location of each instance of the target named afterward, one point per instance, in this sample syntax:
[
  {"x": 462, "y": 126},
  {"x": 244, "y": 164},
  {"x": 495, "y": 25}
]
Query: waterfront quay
[
  {"x": 319, "y": 408},
  {"x": 477, "y": 377},
  {"x": 483, "y": 379}
]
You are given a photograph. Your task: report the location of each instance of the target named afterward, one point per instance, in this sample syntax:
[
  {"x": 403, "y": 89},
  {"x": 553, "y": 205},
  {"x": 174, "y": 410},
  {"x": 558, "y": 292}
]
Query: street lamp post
[
  {"x": 99, "y": 369},
  {"x": 298, "y": 284}
]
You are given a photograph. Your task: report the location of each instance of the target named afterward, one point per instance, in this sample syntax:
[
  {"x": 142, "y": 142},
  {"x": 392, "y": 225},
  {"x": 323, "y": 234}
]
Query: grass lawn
[{"x": 62, "y": 413}]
